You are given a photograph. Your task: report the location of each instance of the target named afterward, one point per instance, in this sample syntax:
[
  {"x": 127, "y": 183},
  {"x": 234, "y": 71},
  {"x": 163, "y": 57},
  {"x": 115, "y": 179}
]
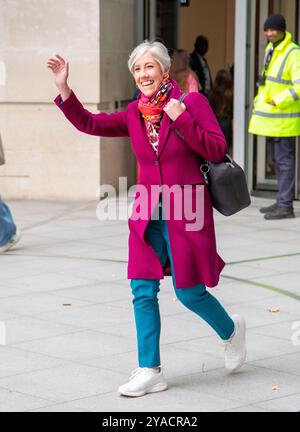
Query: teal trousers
[
  {"x": 7, "y": 225},
  {"x": 145, "y": 300}
]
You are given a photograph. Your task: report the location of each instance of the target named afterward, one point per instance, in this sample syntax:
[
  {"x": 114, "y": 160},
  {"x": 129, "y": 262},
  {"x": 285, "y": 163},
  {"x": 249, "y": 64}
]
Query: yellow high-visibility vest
[{"x": 282, "y": 85}]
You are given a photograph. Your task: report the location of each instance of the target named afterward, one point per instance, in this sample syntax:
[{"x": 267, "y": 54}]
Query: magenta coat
[{"x": 195, "y": 135}]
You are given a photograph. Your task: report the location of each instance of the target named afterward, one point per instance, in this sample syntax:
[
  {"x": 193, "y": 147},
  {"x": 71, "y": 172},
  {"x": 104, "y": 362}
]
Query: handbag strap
[
  {"x": 204, "y": 167},
  {"x": 182, "y": 97}
]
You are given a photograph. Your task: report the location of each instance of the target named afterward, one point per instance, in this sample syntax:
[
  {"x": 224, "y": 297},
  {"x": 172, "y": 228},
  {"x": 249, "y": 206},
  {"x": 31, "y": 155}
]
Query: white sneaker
[
  {"x": 11, "y": 242},
  {"x": 142, "y": 381},
  {"x": 235, "y": 347}
]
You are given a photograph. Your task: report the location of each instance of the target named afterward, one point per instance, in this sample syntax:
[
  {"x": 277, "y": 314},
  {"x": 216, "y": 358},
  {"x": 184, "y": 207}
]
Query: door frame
[{"x": 258, "y": 183}]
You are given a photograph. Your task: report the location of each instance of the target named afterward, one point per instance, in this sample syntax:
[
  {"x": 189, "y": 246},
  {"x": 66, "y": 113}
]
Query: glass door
[
  {"x": 264, "y": 179},
  {"x": 157, "y": 19},
  {"x": 265, "y": 172}
]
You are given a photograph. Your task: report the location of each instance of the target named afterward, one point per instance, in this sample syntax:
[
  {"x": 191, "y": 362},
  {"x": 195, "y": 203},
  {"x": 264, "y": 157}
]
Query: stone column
[
  {"x": 47, "y": 158},
  {"x": 116, "y": 84}
]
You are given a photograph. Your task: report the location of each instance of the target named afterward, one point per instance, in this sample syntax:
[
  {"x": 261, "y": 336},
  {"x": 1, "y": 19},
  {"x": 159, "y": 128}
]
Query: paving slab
[
  {"x": 177, "y": 400},
  {"x": 250, "y": 386},
  {"x": 64, "y": 383},
  {"x": 15, "y": 361},
  {"x": 79, "y": 346},
  {"x": 12, "y": 401}
]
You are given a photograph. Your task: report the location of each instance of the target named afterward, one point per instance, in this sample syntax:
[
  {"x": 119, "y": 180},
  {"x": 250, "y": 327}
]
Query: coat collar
[
  {"x": 283, "y": 44},
  {"x": 166, "y": 121}
]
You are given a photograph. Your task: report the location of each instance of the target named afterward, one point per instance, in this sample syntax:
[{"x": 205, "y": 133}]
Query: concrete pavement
[{"x": 68, "y": 335}]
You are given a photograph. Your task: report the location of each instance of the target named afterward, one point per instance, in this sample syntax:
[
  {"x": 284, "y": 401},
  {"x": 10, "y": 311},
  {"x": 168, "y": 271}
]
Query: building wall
[
  {"x": 46, "y": 157},
  {"x": 287, "y": 9},
  {"x": 116, "y": 84},
  {"x": 214, "y": 19}
]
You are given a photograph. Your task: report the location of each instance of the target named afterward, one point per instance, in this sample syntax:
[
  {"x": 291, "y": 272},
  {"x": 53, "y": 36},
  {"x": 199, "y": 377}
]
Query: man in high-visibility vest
[{"x": 276, "y": 112}]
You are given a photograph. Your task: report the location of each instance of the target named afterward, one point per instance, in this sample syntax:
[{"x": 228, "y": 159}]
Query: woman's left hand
[{"x": 174, "y": 108}]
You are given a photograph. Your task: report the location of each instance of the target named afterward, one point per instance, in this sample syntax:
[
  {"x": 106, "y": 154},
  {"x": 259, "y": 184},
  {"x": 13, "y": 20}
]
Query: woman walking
[{"x": 169, "y": 140}]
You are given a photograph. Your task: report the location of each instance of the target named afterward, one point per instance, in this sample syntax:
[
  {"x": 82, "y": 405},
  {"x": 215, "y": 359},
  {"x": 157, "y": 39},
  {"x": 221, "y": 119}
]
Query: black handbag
[{"x": 227, "y": 184}]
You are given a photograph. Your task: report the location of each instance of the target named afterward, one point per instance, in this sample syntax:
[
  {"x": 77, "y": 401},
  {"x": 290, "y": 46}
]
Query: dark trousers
[{"x": 283, "y": 154}]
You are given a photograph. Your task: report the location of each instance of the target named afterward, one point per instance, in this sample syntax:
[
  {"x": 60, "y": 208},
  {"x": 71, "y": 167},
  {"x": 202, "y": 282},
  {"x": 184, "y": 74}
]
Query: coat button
[{"x": 156, "y": 162}]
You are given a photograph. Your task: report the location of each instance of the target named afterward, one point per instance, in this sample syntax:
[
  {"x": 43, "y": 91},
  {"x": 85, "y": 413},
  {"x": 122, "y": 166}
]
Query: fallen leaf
[
  {"x": 274, "y": 309},
  {"x": 276, "y": 387}
]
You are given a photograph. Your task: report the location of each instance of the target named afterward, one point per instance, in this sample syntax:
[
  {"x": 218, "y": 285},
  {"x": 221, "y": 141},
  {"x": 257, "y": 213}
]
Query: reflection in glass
[{"x": 270, "y": 165}]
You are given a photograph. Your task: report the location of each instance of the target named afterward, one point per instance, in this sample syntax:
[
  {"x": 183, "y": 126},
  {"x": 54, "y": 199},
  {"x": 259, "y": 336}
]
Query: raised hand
[{"x": 60, "y": 69}]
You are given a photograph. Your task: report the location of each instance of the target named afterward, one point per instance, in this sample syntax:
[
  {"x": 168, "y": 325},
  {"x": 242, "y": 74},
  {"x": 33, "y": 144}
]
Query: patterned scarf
[{"x": 152, "y": 110}]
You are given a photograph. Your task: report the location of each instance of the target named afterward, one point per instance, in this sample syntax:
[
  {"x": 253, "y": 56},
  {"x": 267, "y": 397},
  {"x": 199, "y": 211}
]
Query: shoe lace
[
  {"x": 229, "y": 346},
  {"x": 137, "y": 371},
  {"x": 230, "y": 349}
]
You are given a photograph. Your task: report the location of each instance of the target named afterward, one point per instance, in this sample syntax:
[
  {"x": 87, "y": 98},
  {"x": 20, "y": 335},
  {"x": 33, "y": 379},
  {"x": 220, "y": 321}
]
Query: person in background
[
  {"x": 182, "y": 73},
  {"x": 9, "y": 234},
  {"x": 221, "y": 101},
  {"x": 199, "y": 64},
  {"x": 276, "y": 112}
]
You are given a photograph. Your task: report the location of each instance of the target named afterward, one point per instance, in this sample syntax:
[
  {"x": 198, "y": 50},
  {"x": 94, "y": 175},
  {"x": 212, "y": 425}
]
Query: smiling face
[
  {"x": 147, "y": 74},
  {"x": 273, "y": 35}
]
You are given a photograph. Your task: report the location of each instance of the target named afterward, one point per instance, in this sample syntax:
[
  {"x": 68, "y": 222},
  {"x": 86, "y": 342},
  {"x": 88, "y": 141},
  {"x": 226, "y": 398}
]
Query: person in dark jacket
[
  {"x": 199, "y": 64},
  {"x": 221, "y": 101}
]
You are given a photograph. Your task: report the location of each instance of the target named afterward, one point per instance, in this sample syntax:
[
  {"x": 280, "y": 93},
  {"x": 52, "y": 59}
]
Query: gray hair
[{"x": 157, "y": 49}]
